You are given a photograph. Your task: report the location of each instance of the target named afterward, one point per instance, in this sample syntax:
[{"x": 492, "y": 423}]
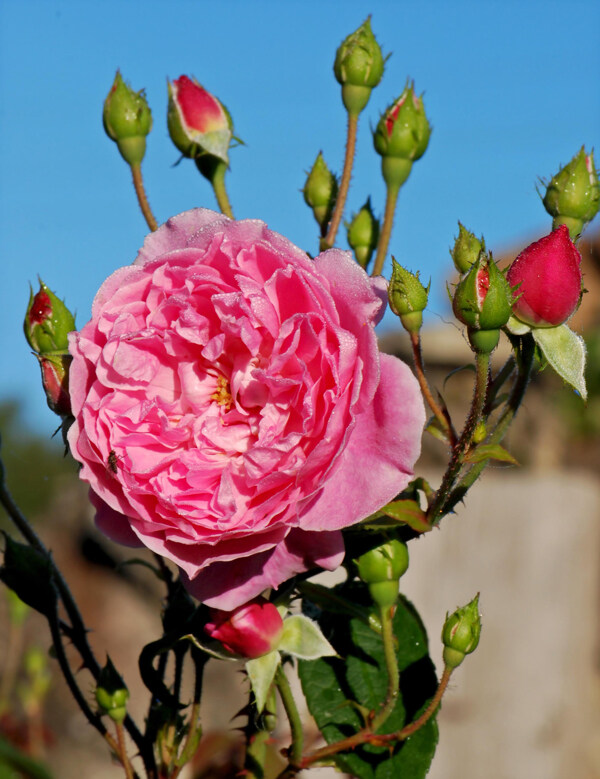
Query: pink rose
[
  {"x": 232, "y": 410},
  {"x": 548, "y": 273},
  {"x": 250, "y": 631}
]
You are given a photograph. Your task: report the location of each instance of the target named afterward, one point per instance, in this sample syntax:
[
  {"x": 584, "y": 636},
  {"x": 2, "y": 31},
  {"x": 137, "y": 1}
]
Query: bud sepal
[
  {"x": 461, "y": 633},
  {"x": 358, "y": 67},
  {"x": 320, "y": 191},
  {"x": 407, "y": 297},
  {"x": 572, "y": 197},
  {"x": 127, "y": 120}
]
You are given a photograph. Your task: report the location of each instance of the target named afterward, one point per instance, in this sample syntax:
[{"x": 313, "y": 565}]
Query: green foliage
[{"x": 340, "y": 690}]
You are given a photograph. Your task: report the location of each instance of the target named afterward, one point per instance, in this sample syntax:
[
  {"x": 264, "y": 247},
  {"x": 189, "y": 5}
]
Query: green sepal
[
  {"x": 516, "y": 327},
  {"x": 489, "y": 452},
  {"x": 261, "y": 672},
  {"x": 565, "y": 352},
  {"x": 303, "y": 638}
]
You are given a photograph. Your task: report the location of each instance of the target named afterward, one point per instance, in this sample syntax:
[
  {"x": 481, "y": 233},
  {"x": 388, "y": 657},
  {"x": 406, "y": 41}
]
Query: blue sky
[{"x": 510, "y": 88}]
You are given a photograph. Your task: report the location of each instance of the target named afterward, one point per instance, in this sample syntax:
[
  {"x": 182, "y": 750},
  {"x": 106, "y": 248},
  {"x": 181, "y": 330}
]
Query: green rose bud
[
  {"x": 483, "y": 302},
  {"x": 127, "y": 120},
  {"x": 358, "y": 67},
  {"x": 363, "y": 234},
  {"x": 402, "y": 136},
  {"x": 407, "y": 297},
  {"x": 320, "y": 192},
  {"x": 381, "y": 568},
  {"x": 461, "y": 633},
  {"x": 112, "y": 693},
  {"x": 573, "y": 195},
  {"x": 466, "y": 249}
]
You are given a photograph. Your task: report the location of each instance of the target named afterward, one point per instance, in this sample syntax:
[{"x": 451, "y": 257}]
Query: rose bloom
[{"x": 232, "y": 410}]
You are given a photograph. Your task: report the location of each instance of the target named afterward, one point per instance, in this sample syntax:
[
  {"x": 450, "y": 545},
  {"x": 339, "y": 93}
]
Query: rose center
[{"x": 223, "y": 394}]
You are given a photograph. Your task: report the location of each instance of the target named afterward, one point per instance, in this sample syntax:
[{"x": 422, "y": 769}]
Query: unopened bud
[
  {"x": 320, "y": 191},
  {"x": 461, "y": 633},
  {"x": 466, "y": 249},
  {"x": 358, "y": 67},
  {"x": 407, "y": 297},
  {"x": 127, "y": 120},
  {"x": 381, "y": 568},
  {"x": 363, "y": 234},
  {"x": 573, "y": 195},
  {"x": 112, "y": 693},
  {"x": 47, "y": 322}
]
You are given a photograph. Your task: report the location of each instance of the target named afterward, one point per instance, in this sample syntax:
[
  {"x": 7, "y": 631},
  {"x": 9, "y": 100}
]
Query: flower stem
[
  {"x": 441, "y": 416},
  {"x": 386, "y": 230},
  {"x": 289, "y": 704},
  {"x": 214, "y": 169},
  {"x": 367, "y": 736},
  {"x": 524, "y": 366},
  {"x": 122, "y": 753},
  {"x": 482, "y": 362},
  {"x": 391, "y": 664},
  {"x": 138, "y": 184},
  {"x": 338, "y": 211}
]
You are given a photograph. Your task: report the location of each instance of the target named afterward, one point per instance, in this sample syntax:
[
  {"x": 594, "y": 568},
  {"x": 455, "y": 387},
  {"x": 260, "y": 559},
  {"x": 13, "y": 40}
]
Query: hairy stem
[
  {"x": 122, "y": 753},
  {"x": 338, "y": 211},
  {"x": 440, "y": 415},
  {"x": 391, "y": 664},
  {"x": 386, "y": 229},
  {"x": 289, "y": 704},
  {"x": 138, "y": 185}
]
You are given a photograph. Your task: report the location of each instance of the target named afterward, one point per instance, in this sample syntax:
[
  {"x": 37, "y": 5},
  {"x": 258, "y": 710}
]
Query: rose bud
[
  {"x": 407, "y": 297},
  {"x": 252, "y": 630},
  {"x": 363, "y": 234},
  {"x": 482, "y": 301},
  {"x": 381, "y": 568},
  {"x": 47, "y": 322},
  {"x": 112, "y": 693},
  {"x": 320, "y": 191},
  {"x": 401, "y": 136},
  {"x": 573, "y": 195},
  {"x": 466, "y": 249},
  {"x": 547, "y": 280},
  {"x": 198, "y": 123},
  {"x": 358, "y": 67},
  {"x": 127, "y": 120},
  {"x": 461, "y": 632}
]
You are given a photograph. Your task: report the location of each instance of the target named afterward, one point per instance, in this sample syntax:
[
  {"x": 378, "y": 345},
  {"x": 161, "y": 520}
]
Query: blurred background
[{"x": 511, "y": 89}]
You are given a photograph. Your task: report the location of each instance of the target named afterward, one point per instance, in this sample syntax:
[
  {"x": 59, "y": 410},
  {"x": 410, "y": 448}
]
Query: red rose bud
[
  {"x": 127, "y": 120},
  {"x": 407, "y": 297},
  {"x": 55, "y": 380},
  {"x": 47, "y": 322},
  {"x": 547, "y": 280},
  {"x": 320, "y": 191},
  {"x": 573, "y": 195},
  {"x": 381, "y": 568},
  {"x": 198, "y": 123},
  {"x": 482, "y": 301},
  {"x": 363, "y": 234},
  {"x": 251, "y": 631},
  {"x": 466, "y": 249},
  {"x": 401, "y": 136},
  {"x": 358, "y": 67},
  {"x": 461, "y": 633}
]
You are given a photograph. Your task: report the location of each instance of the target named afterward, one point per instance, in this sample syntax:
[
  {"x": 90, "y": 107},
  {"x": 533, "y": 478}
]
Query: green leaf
[
  {"x": 408, "y": 512},
  {"x": 304, "y": 638},
  {"x": 261, "y": 672},
  {"x": 490, "y": 452},
  {"x": 565, "y": 352},
  {"x": 337, "y": 690},
  {"x": 12, "y": 758}
]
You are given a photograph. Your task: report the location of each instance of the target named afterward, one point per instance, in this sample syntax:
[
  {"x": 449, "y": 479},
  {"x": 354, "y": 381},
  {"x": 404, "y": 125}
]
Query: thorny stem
[
  {"x": 441, "y": 416},
  {"x": 338, "y": 211},
  {"x": 122, "y": 753},
  {"x": 289, "y": 704},
  {"x": 77, "y": 631},
  {"x": 391, "y": 664},
  {"x": 524, "y": 366},
  {"x": 386, "y": 230},
  {"x": 138, "y": 184},
  {"x": 435, "y": 513}
]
